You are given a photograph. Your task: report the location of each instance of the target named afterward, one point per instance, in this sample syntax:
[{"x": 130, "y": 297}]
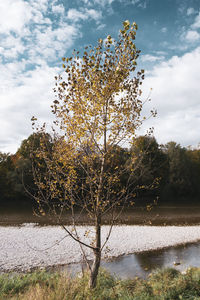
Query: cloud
[
  {"x": 101, "y": 26},
  {"x": 28, "y": 33},
  {"x": 107, "y": 3},
  {"x": 31, "y": 42},
  {"x": 151, "y": 58},
  {"x": 49, "y": 42},
  {"x": 192, "y": 36},
  {"x": 164, "y": 29},
  {"x": 12, "y": 47},
  {"x": 59, "y": 9},
  {"x": 98, "y": 2},
  {"x": 143, "y": 4},
  {"x": 76, "y": 15},
  {"x": 196, "y": 23},
  {"x": 139, "y": 3},
  {"x": 14, "y": 16},
  {"x": 94, "y": 14},
  {"x": 31, "y": 94},
  {"x": 18, "y": 15},
  {"x": 190, "y": 11},
  {"x": 176, "y": 94},
  {"x": 83, "y": 14},
  {"x": 34, "y": 34}
]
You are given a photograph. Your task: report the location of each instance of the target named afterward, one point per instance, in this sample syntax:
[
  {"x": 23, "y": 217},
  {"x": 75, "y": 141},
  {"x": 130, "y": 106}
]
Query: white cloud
[
  {"x": 196, "y": 23},
  {"x": 14, "y": 15},
  {"x": 83, "y": 14},
  {"x": 151, "y": 58},
  {"x": 139, "y": 3},
  {"x": 12, "y": 47},
  {"x": 25, "y": 30},
  {"x": 192, "y": 36},
  {"x": 161, "y": 53},
  {"x": 133, "y": 1},
  {"x": 101, "y": 26},
  {"x": 103, "y": 2},
  {"x": 40, "y": 5},
  {"x": 190, "y": 11},
  {"x": 31, "y": 94},
  {"x": 164, "y": 29},
  {"x": 94, "y": 14},
  {"x": 51, "y": 43},
  {"x": 76, "y": 15},
  {"x": 58, "y": 9},
  {"x": 143, "y": 5},
  {"x": 176, "y": 94},
  {"x": 29, "y": 41}
]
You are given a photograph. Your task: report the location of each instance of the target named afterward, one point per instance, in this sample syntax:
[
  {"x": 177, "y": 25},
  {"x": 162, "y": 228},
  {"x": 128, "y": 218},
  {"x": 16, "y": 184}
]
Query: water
[
  {"x": 142, "y": 264},
  {"x": 130, "y": 216}
]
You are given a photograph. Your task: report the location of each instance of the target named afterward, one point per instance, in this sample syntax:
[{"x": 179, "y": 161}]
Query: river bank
[{"x": 30, "y": 246}]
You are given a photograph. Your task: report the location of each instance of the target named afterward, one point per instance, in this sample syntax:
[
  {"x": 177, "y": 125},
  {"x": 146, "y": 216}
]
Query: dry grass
[{"x": 167, "y": 284}]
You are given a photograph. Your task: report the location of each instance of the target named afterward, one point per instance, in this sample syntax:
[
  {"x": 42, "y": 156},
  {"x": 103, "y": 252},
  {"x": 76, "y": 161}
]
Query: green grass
[{"x": 166, "y": 284}]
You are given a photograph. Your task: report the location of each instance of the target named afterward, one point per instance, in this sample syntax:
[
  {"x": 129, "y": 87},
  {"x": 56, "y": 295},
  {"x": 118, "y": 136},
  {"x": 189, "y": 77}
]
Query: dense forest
[{"x": 177, "y": 170}]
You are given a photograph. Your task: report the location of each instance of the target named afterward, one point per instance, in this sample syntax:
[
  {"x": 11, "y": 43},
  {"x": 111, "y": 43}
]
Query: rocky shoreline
[{"x": 29, "y": 246}]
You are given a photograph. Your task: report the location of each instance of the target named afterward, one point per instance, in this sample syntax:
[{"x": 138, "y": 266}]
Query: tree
[
  {"x": 180, "y": 172},
  {"x": 153, "y": 166},
  {"x": 194, "y": 158},
  {"x": 98, "y": 108},
  {"x": 19, "y": 181},
  {"x": 6, "y": 167}
]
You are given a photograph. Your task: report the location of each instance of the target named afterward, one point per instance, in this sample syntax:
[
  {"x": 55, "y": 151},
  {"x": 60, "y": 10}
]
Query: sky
[{"x": 36, "y": 34}]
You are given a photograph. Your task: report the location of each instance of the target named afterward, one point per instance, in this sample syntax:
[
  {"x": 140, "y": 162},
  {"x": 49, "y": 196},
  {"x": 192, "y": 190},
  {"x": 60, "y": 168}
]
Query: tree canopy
[{"x": 98, "y": 109}]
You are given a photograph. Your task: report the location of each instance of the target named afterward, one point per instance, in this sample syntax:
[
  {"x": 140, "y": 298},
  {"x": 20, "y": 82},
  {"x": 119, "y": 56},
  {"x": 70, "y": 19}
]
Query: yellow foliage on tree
[{"x": 98, "y": 110}]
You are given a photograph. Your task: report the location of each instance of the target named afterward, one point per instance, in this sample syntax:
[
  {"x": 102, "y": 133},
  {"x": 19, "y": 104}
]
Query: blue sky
[{"x": 36, "y": 34}]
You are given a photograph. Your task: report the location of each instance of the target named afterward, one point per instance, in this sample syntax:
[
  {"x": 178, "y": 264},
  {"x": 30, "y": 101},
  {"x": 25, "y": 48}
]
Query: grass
[{"x": 166, "y": 284}]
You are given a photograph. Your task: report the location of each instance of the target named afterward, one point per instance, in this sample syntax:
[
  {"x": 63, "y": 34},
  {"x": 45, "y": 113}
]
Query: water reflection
[
  {"x": 141, "y": 264},
  {"x": 130, "y": 216},
  {"x": 125, "y": 267}
]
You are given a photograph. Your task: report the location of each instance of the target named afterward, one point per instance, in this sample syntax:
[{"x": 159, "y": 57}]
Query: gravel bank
[{"x": 28, "y": 246}]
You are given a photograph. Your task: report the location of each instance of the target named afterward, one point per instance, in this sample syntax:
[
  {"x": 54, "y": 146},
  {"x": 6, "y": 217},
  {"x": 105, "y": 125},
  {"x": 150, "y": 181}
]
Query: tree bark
[
  {"x": 97, "y": 251},
  {"x": 97, "y": 255}
]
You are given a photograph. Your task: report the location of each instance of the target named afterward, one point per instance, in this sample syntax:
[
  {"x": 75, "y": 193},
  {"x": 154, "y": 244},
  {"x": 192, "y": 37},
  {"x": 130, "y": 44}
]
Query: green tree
[
  {"x": 6, "y": 166},
  {"x": 22, "y": 177},
  {"x": 152, "y": 170},
  {"x": 98, "y": 108},
  {"x": 193, "y": 156},
  {"x": 8, "y": 182},
  {"x": 179, "y": 182}
]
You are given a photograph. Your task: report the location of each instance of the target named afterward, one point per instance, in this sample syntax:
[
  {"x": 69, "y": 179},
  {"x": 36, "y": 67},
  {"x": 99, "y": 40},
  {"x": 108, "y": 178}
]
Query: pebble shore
[{"x": 29, "y": 246}]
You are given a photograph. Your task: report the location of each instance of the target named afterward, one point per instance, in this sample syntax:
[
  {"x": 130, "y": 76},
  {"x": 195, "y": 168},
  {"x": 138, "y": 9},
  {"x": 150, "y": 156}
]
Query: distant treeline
[{"x": 177, "y": 169}]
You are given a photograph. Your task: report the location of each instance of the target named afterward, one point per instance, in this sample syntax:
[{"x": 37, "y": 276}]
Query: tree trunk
[
  {"x": 97, "y": 255},
  {"x": 97, "y": 251}
]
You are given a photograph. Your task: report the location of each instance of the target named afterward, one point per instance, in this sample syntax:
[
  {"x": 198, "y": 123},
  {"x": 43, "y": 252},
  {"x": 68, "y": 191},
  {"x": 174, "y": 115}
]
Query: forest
[{"x": 175, "y": 169}]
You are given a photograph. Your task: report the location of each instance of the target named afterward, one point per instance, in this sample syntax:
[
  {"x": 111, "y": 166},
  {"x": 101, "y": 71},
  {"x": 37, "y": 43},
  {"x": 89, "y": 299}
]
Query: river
[{"x": 133, "y": 247}]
